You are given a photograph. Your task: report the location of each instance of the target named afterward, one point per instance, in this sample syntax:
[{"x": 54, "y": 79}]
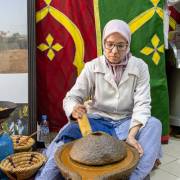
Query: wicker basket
[
  {"x": 22, "y": 165},
  {"x": 22, "y": 143}
]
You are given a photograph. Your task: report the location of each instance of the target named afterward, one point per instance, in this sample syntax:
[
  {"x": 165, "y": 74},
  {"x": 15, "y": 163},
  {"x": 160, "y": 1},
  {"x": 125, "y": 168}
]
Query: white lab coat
[{"x": 131, "y": 98}]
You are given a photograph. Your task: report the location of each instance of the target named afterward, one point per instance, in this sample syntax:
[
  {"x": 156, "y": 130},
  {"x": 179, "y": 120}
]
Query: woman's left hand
[{"x": 133, "y": 142}]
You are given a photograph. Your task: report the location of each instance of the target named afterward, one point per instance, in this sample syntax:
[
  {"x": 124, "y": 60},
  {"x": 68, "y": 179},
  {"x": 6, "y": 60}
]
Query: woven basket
[
  {"x": 26, "y": 144},
  {"x": 22, "y": 165}
]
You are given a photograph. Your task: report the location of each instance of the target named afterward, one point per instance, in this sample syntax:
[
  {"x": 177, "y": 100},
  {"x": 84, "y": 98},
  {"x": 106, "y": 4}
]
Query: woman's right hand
[{"x": 78, "y": 111}]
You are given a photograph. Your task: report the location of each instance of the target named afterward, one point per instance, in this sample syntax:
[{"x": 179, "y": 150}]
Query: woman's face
[{"x": 115, "y": 47}]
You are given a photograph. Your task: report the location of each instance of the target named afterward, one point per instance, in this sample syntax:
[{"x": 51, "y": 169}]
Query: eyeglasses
[{"x": 120, "y": 47}]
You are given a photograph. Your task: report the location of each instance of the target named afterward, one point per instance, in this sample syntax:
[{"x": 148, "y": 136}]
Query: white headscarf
[{"x": 120, "y": 27}]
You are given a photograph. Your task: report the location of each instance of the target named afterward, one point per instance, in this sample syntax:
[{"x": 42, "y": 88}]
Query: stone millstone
[{"x": 98, "y": 149}]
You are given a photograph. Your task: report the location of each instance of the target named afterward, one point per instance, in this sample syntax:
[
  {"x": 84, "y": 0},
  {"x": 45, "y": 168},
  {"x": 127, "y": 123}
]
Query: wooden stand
[{"x": 116, "y": 171}]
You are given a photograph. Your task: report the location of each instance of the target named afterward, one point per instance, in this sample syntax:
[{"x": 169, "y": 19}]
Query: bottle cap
[{"x": 44, "y": 117}]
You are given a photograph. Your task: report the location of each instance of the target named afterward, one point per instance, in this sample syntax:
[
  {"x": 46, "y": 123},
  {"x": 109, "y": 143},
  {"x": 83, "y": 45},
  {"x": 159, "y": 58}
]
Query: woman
[{"x": 118, "y": 84}]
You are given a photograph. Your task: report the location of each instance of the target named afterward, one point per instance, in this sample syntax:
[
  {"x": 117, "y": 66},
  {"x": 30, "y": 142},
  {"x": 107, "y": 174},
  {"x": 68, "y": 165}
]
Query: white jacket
[{"x": 130, "y": 98}]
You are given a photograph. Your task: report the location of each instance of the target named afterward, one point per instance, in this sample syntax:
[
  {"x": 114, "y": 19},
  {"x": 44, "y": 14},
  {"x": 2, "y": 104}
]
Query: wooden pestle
[{"x": 84, "y": 125}]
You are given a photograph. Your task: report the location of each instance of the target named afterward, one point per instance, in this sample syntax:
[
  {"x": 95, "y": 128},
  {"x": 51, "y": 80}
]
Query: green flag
[{"x": 146, "y": 22}]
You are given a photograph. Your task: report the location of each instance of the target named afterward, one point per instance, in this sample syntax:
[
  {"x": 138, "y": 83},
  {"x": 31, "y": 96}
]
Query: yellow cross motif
[
  {"x": 50, "y": 47},
  {"x": 155, "y": 50}
]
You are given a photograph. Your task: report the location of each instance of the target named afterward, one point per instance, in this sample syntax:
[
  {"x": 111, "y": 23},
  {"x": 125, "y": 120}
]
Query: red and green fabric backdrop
[{"x": 68, "y": 34}]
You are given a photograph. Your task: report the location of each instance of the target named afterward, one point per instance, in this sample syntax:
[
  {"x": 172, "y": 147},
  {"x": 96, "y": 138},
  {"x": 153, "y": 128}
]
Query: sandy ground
[{"x": 14, "y": 61}]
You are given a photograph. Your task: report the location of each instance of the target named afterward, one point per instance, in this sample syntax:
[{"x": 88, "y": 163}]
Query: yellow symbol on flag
[
  {"x": 50, "y": 47},
  {"x": 155, "y": 50}
]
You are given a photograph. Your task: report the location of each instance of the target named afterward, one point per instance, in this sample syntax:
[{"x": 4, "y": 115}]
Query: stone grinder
[{"x": 96, "y": 156}]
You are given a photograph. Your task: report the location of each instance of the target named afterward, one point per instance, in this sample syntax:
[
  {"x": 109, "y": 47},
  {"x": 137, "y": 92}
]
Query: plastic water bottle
[{"x": 44, "y": 131}]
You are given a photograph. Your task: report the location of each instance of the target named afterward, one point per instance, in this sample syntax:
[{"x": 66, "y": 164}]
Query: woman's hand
[
  {"x": 133, "y": 142},
  {"x": 78, "y": 111}
]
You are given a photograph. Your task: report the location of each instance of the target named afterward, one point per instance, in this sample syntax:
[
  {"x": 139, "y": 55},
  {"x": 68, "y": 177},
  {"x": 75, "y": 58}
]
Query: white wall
[{"x": 14, "y": 87}]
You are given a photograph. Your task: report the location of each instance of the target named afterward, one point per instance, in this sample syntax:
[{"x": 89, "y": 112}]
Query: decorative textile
[
  {"x": 145, "y": 19},
  {"x": 66, "y": 39},
  {"x": 69, "y": 34}
]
